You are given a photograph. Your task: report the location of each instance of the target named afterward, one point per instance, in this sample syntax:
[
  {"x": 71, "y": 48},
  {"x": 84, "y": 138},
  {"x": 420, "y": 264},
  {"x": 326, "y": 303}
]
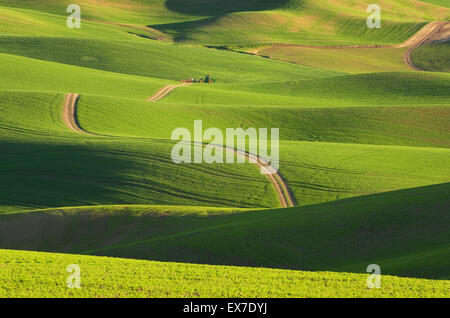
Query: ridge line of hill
[{"x": 434, "y": 29}]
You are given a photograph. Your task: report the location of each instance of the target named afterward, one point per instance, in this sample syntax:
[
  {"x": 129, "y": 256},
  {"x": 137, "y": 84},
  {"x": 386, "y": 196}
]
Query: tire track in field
[{"x": 163, "y": 92}]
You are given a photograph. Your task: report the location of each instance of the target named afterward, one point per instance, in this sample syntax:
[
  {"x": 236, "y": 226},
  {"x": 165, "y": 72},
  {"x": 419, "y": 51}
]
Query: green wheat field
[{"x": 364, "y": 149}]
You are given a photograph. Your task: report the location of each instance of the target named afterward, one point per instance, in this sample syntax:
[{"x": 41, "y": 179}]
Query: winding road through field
[
  {"x": 431, "y": 30},
  {"x": 284, "y": 196},
  {"x": 163, "y": 92}
]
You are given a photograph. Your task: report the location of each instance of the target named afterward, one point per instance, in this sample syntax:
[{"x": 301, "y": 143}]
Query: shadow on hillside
[
  {"x": 99, "y": 172},
  {"x": 181, "y": 31},
  {"x": 48, "y": 174},
  {"x": 221, "y": 7},
  {"x": 405, "y": 232}
]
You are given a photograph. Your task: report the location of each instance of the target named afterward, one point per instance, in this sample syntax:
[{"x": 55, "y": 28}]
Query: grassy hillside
[
  {"x": 139, "y": 12},
  {"x": 433, "y": 57},
  {"x": 238, "y": 29},
  {"x": 316, "y": 172},
  {"x": 31, "y": 274},
  {"x": 349, "y": 60},
  {"x": 46, "y": 165},
  {"x": 320, "y": 172},
  {"x": 373, "y": 89},
  {"x": 442, "y": 3},
  {"x": 407, "y": 126},
  {"x": 150, "y": 58},
  {"x": 230, "y": 22},
  {"x": 129, "y": 115},
  {"x": 306, "y": 22},
  {"x": 56, "y": 173},
  {"x": 35, "y": 75},
  {"x": 405, "y": 232},
  {"x": 381, "y": 89},
  {"x": 30, "y": 22}
]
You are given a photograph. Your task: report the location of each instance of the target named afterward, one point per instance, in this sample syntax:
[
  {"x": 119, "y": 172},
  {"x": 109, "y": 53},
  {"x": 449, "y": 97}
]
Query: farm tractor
[{"x": 208, "y": 79}]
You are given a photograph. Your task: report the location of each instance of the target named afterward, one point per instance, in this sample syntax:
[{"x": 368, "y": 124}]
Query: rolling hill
[
  {"x": 364, "y": 149},
  {"x": 433, "y": 57},
  {"x": 112, "y": 277},
  {"x": 405, "y": 232}
]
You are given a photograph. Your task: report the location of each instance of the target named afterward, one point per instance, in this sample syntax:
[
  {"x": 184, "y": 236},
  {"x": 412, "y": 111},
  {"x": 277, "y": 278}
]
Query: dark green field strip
[{"x": 56, "y": 174}]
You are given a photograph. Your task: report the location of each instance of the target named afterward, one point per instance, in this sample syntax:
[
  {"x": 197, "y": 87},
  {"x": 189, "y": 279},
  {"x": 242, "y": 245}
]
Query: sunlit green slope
[{"x": 31, "y": 274}]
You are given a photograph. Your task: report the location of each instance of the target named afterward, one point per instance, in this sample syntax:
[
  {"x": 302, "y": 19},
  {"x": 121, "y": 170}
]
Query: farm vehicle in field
[{"x": 207, "y": 79}]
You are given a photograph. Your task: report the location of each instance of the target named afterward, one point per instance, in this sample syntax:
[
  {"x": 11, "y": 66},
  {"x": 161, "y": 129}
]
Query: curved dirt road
[
  {"x": 422, "y": 37},
  {"x": 284, "y": 196},
  {"x": 70, "y": 113},
  {"x": 163, "y": 92}
]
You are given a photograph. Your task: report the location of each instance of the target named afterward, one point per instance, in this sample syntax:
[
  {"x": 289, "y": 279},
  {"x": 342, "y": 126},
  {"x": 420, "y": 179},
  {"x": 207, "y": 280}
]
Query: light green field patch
[
  {"x": 31, "y": 274},
  {"x": 320, "y": 172}
]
